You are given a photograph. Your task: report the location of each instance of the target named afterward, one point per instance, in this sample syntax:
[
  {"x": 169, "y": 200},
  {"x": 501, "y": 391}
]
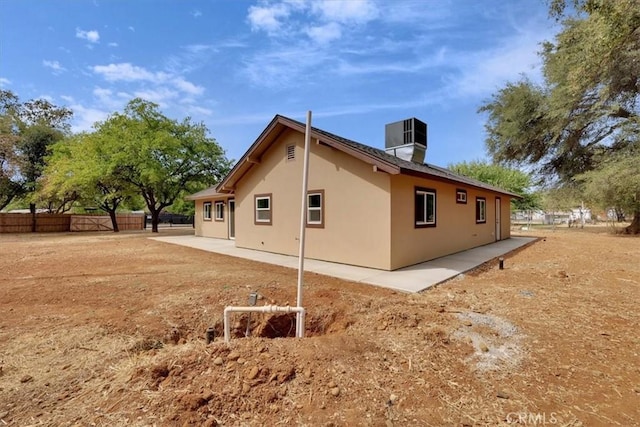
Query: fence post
[{"x": 32, "y": 209}]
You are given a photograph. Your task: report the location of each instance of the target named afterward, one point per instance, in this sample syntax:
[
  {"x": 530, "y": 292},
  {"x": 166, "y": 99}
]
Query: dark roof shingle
[{"x": 405, "y": 165}]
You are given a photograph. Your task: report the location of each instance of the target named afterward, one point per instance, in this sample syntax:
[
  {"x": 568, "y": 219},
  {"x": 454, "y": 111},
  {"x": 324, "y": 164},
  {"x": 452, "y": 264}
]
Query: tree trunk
[
  {"x": 114, "y": 220},
  {"x": 155, "y": 218},
  {"x": 634, "y": 228}
]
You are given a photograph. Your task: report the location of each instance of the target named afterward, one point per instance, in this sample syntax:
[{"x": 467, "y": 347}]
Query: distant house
[{"x": 368, "y": 207}]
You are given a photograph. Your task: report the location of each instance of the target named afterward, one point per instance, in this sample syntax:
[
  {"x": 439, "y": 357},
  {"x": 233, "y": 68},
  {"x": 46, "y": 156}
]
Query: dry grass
[{"x": 119, "y": 341}]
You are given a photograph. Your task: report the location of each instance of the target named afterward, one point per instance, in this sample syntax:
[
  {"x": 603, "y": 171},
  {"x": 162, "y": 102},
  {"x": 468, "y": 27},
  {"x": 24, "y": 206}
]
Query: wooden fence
[
  {"x": 103, "y": 222},
  {"x": 24, "y": 223}
]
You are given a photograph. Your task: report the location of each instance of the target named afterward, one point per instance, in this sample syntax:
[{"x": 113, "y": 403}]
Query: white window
[
  {"x": 315, "y": 208},
  {"x": 425, "y": 207},
  {"x": 481, "y": 210},
  {"x": 206, "y": 211},
  {"x": 291, "y": 152},
  {"x": 219, "y": 211},
  {"x": 263, "y": 209},
  {"x": 461, "y": 196}
]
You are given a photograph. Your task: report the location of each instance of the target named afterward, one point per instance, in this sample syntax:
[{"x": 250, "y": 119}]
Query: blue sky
[{"x": 234, "y": 64}]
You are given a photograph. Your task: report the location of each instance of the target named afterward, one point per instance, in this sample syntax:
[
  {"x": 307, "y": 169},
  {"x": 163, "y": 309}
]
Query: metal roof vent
[{"x": 407, "y": 139}]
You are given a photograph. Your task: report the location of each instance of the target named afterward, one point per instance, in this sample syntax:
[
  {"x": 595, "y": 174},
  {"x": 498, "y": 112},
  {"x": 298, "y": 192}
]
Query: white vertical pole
[{"x": 303, "y": 225}]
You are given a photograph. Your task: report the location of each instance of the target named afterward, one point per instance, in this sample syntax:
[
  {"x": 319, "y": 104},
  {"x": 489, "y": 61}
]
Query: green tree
[
  {"x": 561, "y": 198},
  {"x": 586, "y": 109},
  {"x": 615, "y": 184},
  {"x": 163, "y": 158},
  {"x": 33, "y": 147},
  {"x": 84, "y": 168},
  {"x": 512, "y": 180},
  {"x": 11, "y": 182},
  {"x": 27, "y": 130}
]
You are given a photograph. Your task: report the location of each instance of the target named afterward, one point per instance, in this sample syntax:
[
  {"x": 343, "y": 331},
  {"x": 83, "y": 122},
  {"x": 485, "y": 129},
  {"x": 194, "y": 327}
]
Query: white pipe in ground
[
  {"x": 263, "y": 309},
  {"x": 303, "y": 224}
]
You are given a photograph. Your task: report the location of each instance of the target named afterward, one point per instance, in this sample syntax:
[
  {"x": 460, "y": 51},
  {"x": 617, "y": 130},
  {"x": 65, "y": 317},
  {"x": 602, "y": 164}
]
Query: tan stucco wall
[
  {"x": 456, "y": 228},
  {"x": 356, "y": 205},
  {"x": 211, "y": 228}
]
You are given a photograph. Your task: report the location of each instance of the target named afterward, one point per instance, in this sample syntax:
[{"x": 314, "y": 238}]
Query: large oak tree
[
  {"x": 587, "y": 108},
  {"x": 162, "y": 158},
  {"x": 83, "y": 168}
]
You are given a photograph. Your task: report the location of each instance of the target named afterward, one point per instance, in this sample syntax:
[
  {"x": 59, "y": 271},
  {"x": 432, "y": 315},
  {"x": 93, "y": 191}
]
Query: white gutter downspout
[
  {"x": 303, "y": 227},
  {"x": 263, "y": 309}
]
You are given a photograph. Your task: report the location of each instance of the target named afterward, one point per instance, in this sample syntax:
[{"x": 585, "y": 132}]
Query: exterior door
[
  {"x": 498, "y": 220},
  {"x": 232, "y": 219}
]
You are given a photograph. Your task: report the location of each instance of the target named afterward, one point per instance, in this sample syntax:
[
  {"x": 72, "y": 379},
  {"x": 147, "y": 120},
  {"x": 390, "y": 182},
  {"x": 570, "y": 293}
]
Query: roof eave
[{"x": 433, "y": 177}]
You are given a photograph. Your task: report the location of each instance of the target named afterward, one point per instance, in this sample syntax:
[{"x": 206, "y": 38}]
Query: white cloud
[
  {"x": 320, "y": 20},
  {"x": 159, "y": 95},
  {"x": 190, "y": 58},
  {"x": 46, "y": 98},
  {"x": 92, "y": 35},
  {"x": 55, "y": 66},
  {"x": 194, "y": 109},
  {"x": 325, "y": 33},
  {"x": 132, "y": 29},
  {"x": 126, "y": 72},
  {"x": 196, "y": 13},
  {"x": 187, "y": 87},
  {"x": 437, "y": 14},
  {"x": 85, "y": 117},
  {"x": 4, "y": 81},
  {"x": 346, "y": 11},
  {"x": 102, "y": 92},
  {"x": 109, "y": 99},
  {"x": 483, "y": 72},
  {"x": 170, "y": 90},
  {"x": 332, "y": 27},
  {"x": 410, "y": 66},
  {"x": 113, "y": 44},
  {"x": 281, "y": 67},
  {"x": 268, "y": 17}
]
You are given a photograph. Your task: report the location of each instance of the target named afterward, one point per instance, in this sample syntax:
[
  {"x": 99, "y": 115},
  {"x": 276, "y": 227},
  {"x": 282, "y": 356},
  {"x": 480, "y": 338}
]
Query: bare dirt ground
[{"x": 108, "y": 329}]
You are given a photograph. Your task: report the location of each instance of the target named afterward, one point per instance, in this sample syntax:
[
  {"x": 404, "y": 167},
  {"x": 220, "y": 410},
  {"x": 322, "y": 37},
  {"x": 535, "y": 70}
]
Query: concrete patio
[{"x": 415, "y": 278}]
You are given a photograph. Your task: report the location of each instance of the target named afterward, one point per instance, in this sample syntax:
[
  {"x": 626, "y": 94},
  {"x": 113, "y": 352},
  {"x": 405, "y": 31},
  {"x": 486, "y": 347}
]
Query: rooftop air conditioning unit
[{"x": 407, "y": 139}]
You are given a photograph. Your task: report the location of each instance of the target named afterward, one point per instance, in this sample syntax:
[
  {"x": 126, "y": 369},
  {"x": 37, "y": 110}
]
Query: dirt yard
[{"x": 105, "y": 329}]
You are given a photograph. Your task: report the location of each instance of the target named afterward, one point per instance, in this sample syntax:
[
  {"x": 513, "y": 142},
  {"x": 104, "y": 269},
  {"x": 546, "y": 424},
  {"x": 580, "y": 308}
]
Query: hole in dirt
[
  {"x": 278, "y": 326},
  {"x": 283, "y": 325}
]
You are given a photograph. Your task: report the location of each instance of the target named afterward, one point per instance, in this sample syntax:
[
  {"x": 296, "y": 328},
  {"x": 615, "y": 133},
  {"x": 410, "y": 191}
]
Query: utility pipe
[
  {"x": 263, "y": 309},
  {"x": 303, "y": 226}
]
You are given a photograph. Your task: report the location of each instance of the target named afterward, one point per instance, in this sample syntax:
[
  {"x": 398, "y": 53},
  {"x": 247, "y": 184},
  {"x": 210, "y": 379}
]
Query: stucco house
[{"x": 383, "y": 209}]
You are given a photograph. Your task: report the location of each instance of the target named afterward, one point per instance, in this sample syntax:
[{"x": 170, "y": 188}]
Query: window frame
[
  {"x": 269, "y": 197},
  {"x": 316, "y": 224},
  {"x": 425, "y": 193},
  {"x": 461, "y": 196},
  {"x": 218, "y": 209},
  {"x": 481, "y": 210},
  {"x": 206, "y": 211}
]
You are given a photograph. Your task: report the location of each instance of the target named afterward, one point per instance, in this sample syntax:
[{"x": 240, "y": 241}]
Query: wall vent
[{"x": 291, "y": 152}]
